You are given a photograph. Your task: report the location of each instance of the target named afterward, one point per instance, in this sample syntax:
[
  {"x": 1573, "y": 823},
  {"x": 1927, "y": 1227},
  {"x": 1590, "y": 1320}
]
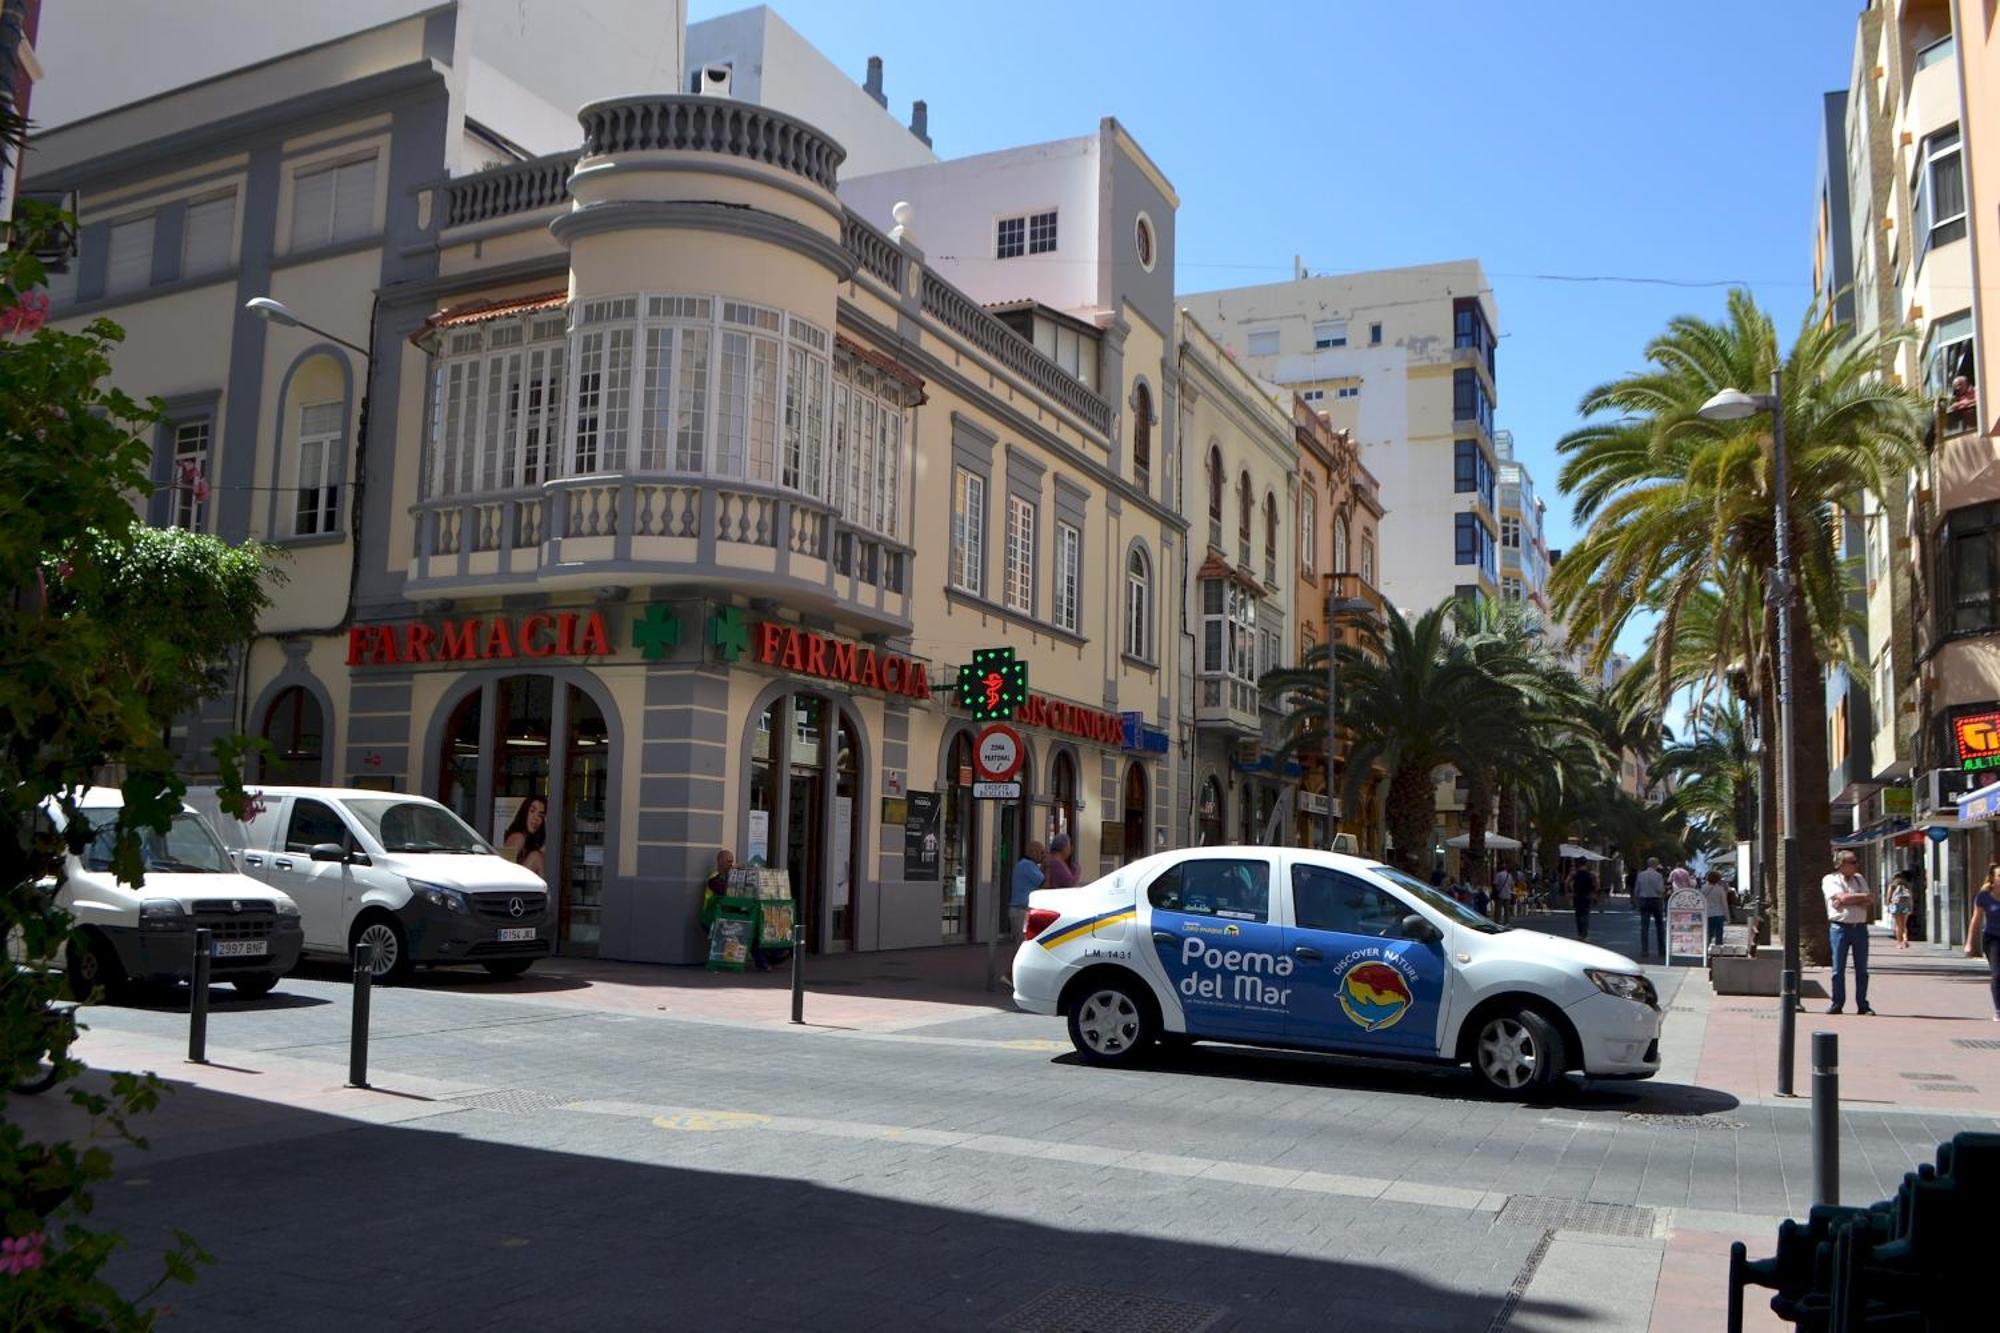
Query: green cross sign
[
  {"x": 657, "y": 632},
  {"x": 728, "y": 632}
]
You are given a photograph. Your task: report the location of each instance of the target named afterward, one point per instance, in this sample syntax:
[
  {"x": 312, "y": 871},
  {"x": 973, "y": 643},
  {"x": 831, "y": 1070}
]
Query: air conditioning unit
[
  {"x": 1939, "y": 789},
  {"x": 713, "y": 80}
]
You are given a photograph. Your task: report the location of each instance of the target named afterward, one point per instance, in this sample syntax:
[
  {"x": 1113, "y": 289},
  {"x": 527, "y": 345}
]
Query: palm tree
[
  {"x": 1715, "y": 770},
  {"x": 1679, "y": 507}
]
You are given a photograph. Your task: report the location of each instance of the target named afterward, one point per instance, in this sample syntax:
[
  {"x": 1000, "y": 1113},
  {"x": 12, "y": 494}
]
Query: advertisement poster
[
  {"x": 921, "y": 836},
  {"x": 843, "y": 845},
  {"x": 503, "y": 815},
  {"x": 1687, "y": 927},
  {"x": 760, "y": 837}
]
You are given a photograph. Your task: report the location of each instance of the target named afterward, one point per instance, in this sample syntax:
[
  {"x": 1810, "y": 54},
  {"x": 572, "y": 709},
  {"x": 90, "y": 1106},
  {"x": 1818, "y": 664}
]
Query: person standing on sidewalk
[
  {"x": 1582, "y": 887},
  {"x": 1847, "y": 905},
  {"x": 1503, "y": 894},
  {"x": 1986, "y": 920},
  {"x": 1717, "y": 899},
  {"x": 1061, "y": 874},
  {"x": 1902, "y": 897},
  {"x": 1649, "y": 888},
  {"x": 1028, "y": 876}
]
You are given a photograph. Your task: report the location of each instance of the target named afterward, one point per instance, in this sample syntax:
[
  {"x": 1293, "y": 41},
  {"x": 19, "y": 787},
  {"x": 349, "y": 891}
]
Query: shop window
[
  {"x": 295, "y": 726},
  {"x": 1136, "y": 792},
  {"x": 1062, "y": 800},
  {"x": 960, "y": 852}
]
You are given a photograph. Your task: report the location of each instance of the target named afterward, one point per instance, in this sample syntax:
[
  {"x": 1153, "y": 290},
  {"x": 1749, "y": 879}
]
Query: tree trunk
[
  {"x": 1813, "y": 833},
  {"x": 1412, "y": 813},
  {"x": 1478, "y": 800},
  {"x": 1510, "y": 811}
]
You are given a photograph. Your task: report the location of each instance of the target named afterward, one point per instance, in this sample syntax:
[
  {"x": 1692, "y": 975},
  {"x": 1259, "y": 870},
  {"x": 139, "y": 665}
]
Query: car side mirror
[
  {"x": 329, "y": 851},
  {"x": 1416, "y": 928}
]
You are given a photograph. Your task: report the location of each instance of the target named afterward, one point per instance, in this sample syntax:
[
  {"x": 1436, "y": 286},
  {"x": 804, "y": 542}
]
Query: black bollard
[
  {"x": 357, "y": 1041},
  {"x": 1826, "y": 1117},
  {"x": 798, "y": 972},
  {"x": 204, "y": 945},
  {"x": 1788, "y": 1008}
]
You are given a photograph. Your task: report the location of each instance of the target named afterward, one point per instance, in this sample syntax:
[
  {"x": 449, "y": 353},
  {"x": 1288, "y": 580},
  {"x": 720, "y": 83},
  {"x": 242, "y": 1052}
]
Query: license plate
[
  {"x": 241, "y": 948},
  {"x": 511, "y": 934}
]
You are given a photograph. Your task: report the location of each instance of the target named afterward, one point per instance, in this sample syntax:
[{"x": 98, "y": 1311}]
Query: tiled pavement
[{"x": 603, "y": 1140}]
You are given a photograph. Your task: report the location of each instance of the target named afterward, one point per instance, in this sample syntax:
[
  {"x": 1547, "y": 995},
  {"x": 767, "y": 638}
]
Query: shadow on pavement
[
  {"x": 345, "y": 1226},
  {"x": 221, "y": 997},
  {"x": 535, "y": 981}
]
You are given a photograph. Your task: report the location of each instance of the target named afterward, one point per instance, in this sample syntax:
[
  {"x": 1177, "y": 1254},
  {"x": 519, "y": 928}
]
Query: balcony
[
  {"x": 523, "y": 187},
  {"x": 583, "y": 532},
  {"x": 1229, "y": 703}
]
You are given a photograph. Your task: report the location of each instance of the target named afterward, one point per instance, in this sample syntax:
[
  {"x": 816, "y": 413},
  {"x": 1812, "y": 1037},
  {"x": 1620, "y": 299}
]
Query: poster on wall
[
  {"x": 920, "y": 836},
  {"x": 843, "y": 849},
  {"x": 1687, "y": 927},
  {"x": 759, "y": 849},
  {"x": 503, "y": 814}
]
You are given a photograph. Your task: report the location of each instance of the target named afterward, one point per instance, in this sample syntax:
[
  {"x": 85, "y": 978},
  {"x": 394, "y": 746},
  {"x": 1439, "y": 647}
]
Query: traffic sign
[
  {"x": 997, "y": 753},
  {"x": 996, "y": 791}
]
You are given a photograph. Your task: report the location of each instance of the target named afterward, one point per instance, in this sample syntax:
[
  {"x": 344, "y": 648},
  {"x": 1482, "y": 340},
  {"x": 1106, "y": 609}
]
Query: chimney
[
  {"x": 874, "y": 85},
  {"x": 920, "y": 120}
]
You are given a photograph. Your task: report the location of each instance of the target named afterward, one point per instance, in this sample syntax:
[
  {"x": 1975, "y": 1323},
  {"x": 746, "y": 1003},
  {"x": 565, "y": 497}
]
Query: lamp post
[
  {"x": 1735, "y": 405},
  {"x": 1336, "y": 605},
  {"x": 277, "y": 312}
]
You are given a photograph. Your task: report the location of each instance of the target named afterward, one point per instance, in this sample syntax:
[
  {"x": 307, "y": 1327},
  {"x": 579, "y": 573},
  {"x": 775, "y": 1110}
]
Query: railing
[
  {"x": 522, "y": 187},
  {"x": 710, "y": 125},
  {"x": 960, "y": 314},
  {"x": 876, "y": 253}
]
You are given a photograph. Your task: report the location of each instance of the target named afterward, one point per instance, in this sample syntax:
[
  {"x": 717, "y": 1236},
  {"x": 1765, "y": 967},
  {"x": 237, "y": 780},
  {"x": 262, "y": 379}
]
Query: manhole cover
[
  {"x": 1069, "y": 1309},
  {"x": 1681, "y": 1121},
  {"x": 1944, "y": 1087},
  {"x": 1976, "y": 1043},
  {"x": 1602, "y": 1219},
  {"x": 514, "y": 1101}
]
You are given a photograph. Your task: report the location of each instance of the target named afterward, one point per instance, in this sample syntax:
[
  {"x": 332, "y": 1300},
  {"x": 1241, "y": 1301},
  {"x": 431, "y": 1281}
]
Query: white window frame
[
  {"x": 316, "y": 465},
  {"x": 968, "y": 532},
  {"x": 1329, "y": 333},
  {"x": 1068, "y": 584},
  {"x": 1139, "y": 605},
  {"x": 1309, "y": 530},
  {"x": 1018, "y": 591},
  {"x": 192, "y": 441},
  {"x": 1010, "y": 237},
  {"x": 1042, "y": 232}
]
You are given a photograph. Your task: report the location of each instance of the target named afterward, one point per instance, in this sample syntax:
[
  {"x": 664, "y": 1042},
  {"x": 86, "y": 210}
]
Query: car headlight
[
  {"x": 1624, "y": 985},
  {"x": 162, "y": 914},
  {"x": 285, "y": 907},
  {"x": 437, "y": 895}
]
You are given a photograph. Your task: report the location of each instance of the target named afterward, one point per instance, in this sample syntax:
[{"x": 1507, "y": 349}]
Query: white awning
[
  {"x": 1495, "y": 842},
  {"x": 1570, "y": 851}
]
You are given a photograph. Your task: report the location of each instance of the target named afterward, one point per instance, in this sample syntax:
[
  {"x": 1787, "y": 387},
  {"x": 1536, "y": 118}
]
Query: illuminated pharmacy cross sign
[
  {"x": 993, "y": 684},
  {"x": 657, "y": 632}
]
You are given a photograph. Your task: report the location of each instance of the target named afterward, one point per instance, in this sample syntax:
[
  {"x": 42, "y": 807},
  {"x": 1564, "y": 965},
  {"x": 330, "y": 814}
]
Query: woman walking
[
  {"x": 1902, "y": 898},
  {"x": 1986, "y": 920}
]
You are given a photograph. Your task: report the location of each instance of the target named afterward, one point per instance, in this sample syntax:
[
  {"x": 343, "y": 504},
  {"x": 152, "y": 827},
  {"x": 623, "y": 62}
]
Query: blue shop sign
[
  {"x": 1981, "y": 804},
  {"x": 1263, "y": 763},
  {"x": 1139, "y": 736}
]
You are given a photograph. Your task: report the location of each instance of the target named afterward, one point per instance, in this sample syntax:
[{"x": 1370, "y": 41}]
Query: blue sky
[{"x": 1554, "y": 137}]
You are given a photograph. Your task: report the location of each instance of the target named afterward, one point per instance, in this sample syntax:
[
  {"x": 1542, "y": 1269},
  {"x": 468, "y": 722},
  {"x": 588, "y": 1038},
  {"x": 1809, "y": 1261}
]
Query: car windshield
[
  {"x": 187, "y": 847},
  {"x": 416, "y": 826},
  {"x": 1438, "y": 902}
]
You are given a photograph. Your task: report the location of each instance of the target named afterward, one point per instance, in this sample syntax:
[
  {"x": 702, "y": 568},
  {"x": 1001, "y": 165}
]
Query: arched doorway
[
  {"x": 295, "y": 725},
  {"x": 1062, "y": 800},
  {"x": 516, "y": 738},
  {"x": 1136, "y": 788},
  {"x": 959, "y": 856},
  {"x": 1209, "y": 812},
  {"x": 804, "y": 810}
]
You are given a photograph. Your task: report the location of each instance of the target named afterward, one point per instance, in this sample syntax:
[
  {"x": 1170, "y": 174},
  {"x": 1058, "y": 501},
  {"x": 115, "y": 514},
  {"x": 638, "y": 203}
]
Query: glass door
[
  {"x": 961, "y": 839},
  {"x": 584, "y": 790}
]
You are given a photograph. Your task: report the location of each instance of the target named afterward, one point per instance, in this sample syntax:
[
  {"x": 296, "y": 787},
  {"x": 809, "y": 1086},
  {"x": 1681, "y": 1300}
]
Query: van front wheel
[
  {"x": 392, "y": 954},
  {"x": 93, "y": 966}
]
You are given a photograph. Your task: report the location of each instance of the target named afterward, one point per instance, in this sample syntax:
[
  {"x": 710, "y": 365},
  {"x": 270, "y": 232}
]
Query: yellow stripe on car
[{"x": 1083, "y": 928}]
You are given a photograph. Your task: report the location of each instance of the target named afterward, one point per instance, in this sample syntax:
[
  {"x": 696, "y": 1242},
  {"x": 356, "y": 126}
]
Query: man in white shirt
[
  {"x": 1503, "y": 893},
  {"x": 1649, "y": 889},
  {"x": 1848, "y": 903}
]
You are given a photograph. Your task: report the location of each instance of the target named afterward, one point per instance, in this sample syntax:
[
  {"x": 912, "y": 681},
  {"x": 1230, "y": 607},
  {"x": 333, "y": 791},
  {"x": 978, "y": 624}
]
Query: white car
[
  {"x": 1273, "y": 946},
  {"x": 398, "y": 872}
]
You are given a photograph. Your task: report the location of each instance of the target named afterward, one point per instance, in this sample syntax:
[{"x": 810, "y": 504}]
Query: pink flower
[
  {"x": 28, "y": 313},
  {"x": 19, "y": 1254}
]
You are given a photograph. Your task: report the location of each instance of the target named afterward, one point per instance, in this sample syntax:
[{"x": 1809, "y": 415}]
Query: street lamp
[
  {"x": 277, "y": 312},
  {"x": 1336, "y": 605},
  {"x": 1735, "y": 405}
]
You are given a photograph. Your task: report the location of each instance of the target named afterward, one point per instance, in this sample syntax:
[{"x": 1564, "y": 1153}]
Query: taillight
[{"x": 1039, "y": 920}]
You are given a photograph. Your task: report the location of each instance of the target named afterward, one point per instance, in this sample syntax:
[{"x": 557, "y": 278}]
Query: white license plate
[
  {"x": 241, "y": 948},
  {"x": 512, "y": 933}
]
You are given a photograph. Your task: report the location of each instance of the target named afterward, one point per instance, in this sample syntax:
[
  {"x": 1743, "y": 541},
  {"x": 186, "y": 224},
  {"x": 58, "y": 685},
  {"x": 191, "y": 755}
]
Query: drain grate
[
  {"x": 1944, "y": 1087},
  {"x": 1681, "y": 1121},
  {"x": 1071, "y": 1309},
  {"x": 1976, "y": 1043},
  {"x": 1930, "y": 1078},
  {"x": 514, "y": 1101},
  {"x": 1600, "y": 1219}
]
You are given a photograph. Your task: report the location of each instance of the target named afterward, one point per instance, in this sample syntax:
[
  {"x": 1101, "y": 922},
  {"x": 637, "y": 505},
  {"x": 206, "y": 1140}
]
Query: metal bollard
[
  {"x": 1788, "y": 1008},
  {"x": 204, "y": 946},
  {"x": 798, "y": 972},
  {"x": 357, "y": 1040},
  {"x": 1826, "y": 1117}
]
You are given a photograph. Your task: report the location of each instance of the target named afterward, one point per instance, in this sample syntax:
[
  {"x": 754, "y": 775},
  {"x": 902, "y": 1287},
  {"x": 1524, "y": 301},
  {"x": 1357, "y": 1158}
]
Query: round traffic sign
[{"x": 997, "y": 752}]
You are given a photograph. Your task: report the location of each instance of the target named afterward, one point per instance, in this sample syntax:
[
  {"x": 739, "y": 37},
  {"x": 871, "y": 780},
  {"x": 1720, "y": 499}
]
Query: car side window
[
  {"x": 313, "y": 823},
  {"x": 1234, "y": 890},
  {"x": 1324, "y": 899}
]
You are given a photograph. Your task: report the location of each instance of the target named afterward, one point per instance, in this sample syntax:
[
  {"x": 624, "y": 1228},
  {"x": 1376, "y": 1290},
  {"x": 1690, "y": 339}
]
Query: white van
[
  {"x": 400, "y": 872},
  {"x": 124, "y": 936}
]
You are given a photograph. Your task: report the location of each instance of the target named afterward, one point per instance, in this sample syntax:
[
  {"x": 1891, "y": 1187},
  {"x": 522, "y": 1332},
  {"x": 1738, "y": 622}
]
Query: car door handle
[
  {"x": 250, "y": 860},
  {"x": 1166, "y": 937},
  {"x": 1306, "y": 951},
  {"x": 281, "y": 864}
]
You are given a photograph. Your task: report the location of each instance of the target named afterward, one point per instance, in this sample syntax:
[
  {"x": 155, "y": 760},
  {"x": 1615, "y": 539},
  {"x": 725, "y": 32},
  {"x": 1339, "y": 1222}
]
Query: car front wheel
[
  {"x": 392, "y": 954},
  {"x": 1110, "y": 1024},
  {"x": 255, "y": 986},
  {"x": 1519, "y": 1053}
]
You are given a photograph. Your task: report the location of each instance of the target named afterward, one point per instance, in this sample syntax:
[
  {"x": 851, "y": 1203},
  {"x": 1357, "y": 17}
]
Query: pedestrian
[
  {"x": 1582, "y": 886},
  {"x": 1503, "y": 894},
  {"x": 1649, "y": 888},
  {"x": 1028, "y": 876},
  {"x": 1991, "y": 885},
  {"x": 1061, "y": 874},
  {"x": 1902, "y": 899},
  {"x": 1847, "y": 906},
  {"x": 1986, "y": 920},
  {"x": 1718, "y": 907},
  {"x": 1520, "y": 894}
]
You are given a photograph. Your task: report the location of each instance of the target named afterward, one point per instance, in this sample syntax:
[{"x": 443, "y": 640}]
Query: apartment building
[
  {"x": 647, "y": 477},
  {"x": 1524, "y": 539},
  {"x": 1405, "y": 360}
]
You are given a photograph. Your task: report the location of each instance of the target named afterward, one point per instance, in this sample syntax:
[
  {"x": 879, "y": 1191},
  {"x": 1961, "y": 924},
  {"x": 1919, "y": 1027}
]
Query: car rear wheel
[
  {"x": 508, "y": 967},
  {"x": 1519, "y": 1054},
  {"x": 392, "y": 955},
  {"x": 1110, "y": 1024}
]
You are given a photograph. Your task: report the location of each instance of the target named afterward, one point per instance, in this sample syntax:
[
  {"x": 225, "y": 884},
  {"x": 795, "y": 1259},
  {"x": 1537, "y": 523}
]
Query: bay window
[
  {"x": 1968, "y": 571},
  {"x": 1228, "y": 631}
]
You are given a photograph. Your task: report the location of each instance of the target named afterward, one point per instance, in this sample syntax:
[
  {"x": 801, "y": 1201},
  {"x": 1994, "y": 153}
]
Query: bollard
[
  {"x": 1826, "y": 1117},
  {"x": 1788, "y": 1007},
  {"x": 798, "y": 972},
  {"x": 357, "y": 1040},
  {"x": 204, "y": 945}
]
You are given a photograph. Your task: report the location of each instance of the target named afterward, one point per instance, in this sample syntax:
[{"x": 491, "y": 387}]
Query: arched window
[
  {"x": 1244, "y": 507},
  {"x": 1340, "y": 545},
  {"x": 296, "y": 728},
  {"x": 1139, "y": 605},
  {"x": 1368, "y": 561},
  {"x": 1215, "y": 486},
  {"x": 1270, "y": 537},
  {"x": 1142, "y": 437}
]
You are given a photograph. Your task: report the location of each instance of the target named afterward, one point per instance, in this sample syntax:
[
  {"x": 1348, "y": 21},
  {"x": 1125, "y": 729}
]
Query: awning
[
  {"x": 1569, "y": 851},
  {"x": 1495, "y": 842},
  {"x": 1879, "y": 831},
  {"x": 479, "y": 312},
  {"x": 1981, "y": 804}
]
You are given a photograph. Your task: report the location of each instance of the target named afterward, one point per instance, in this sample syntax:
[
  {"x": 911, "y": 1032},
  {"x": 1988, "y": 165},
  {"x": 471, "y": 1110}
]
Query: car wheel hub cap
[
  {"x": 384, "y": 941},
  {"x": 1108, "y": 1022},
  {"x": 1507, "y": 1053}
]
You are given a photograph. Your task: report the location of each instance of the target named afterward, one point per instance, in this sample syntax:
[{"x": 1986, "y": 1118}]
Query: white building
[{"x": 1524, "y": 543}]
